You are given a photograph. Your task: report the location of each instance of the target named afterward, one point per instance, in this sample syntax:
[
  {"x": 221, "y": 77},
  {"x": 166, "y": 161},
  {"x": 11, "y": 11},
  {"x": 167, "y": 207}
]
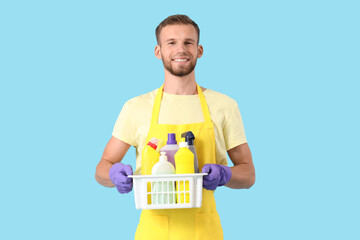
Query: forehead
[{"x": 183, "y": 31}]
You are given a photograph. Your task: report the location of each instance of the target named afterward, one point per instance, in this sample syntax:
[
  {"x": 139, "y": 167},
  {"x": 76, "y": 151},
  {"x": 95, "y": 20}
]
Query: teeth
[{"x": 180, "y": 60}]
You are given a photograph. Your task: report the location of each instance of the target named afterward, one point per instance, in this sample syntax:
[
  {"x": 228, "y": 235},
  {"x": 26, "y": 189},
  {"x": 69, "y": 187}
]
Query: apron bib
[{"x": 188, "y": 223}]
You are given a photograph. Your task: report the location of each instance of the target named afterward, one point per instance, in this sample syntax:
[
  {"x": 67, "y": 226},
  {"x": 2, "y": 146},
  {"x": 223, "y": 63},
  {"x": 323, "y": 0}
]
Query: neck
[{"x": 185, "y": 85}]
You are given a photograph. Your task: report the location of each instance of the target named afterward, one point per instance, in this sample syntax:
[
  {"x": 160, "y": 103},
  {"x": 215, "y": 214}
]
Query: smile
[{"x": 180, "y": 60}]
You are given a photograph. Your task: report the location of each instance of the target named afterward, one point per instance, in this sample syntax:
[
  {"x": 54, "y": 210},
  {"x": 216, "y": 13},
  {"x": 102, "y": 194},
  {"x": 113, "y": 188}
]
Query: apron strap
[
  {"x": 157, "y": 104},
  {"x": 156, "y": 107},
  {"x": 204, "y": 105}
]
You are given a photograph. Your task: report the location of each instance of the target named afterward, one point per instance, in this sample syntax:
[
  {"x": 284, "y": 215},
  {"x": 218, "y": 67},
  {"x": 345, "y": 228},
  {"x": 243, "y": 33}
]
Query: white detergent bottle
[
  {"x": 170, "y": 148},
  {"x": 161, "y": 189}
]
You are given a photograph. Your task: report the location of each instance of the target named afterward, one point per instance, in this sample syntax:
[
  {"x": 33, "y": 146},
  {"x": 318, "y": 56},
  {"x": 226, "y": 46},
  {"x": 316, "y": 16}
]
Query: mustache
[{"x": 180, "y": 55}]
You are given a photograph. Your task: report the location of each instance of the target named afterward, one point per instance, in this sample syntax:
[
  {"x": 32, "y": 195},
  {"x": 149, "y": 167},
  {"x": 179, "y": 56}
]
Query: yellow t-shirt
[{"x": 133, "y": 123}]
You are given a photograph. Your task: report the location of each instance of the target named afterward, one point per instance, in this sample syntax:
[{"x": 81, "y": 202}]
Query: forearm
[
  {"x": 114, "y": 152},
  {"x": 102, "y": 173},
  {"x": 243, "y": 176},
  {"x": 243, "y": 171}
]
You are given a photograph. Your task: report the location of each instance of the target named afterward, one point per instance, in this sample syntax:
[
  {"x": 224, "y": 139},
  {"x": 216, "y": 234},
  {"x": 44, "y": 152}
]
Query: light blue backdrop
[{"x": 67, "y": 67}]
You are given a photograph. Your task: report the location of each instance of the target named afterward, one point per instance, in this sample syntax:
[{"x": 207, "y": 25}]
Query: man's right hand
[{"x": 119, "y": 177}]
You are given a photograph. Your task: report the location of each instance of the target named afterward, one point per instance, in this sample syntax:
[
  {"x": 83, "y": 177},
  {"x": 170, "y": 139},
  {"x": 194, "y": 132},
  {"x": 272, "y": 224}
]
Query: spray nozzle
[{"x": 189, "y": 137}]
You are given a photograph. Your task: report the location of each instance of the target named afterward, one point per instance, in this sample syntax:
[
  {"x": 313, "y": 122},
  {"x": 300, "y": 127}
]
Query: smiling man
[
  {"x": 178, "y": 63},
  {"x": 181, "y": 104}
]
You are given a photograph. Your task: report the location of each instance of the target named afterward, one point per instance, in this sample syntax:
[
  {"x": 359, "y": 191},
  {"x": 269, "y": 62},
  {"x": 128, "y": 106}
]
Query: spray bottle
[{"x": 189, "y": 138}]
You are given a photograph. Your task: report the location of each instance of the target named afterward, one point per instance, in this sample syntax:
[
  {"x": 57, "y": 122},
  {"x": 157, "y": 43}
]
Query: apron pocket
[
  {"x": 208, "y": 227},
  {"x": 152, "y": 227}
]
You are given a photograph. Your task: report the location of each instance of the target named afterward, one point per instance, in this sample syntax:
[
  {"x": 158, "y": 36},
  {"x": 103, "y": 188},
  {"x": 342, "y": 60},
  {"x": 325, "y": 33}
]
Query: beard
[{"x": 181, "y": 71}]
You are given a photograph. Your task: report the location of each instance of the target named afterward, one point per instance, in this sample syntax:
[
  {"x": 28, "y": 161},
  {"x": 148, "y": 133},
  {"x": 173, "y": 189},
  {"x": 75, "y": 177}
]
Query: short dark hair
[{"x": 176, "y": 19}]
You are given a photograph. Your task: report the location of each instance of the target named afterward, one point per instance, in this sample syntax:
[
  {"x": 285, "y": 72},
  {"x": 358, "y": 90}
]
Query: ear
[
  {"x": 200, "y": 51},
  {"x": 157, "y": 52}
]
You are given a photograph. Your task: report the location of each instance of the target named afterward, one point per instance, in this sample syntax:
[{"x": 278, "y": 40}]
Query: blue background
[{"x": 67, "y": 67}]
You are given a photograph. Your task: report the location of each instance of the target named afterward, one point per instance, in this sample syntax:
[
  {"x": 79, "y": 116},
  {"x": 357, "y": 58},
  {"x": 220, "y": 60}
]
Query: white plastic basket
[{"x": 168, "y": 191}]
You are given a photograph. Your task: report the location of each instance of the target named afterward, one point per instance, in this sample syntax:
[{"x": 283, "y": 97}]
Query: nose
[{"x": 181, "y": 47}]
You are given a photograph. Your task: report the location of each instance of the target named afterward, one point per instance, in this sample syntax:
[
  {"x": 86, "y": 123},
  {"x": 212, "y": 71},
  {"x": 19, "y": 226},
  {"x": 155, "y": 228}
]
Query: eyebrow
[{"x": 186, "y": 39}]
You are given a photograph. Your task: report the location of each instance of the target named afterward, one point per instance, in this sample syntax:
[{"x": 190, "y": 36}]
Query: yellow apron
[{"x": 187, "y": 223}]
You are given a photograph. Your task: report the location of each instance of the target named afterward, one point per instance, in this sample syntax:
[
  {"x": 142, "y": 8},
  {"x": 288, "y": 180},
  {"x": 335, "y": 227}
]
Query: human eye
[{"x": 190, "y": 42}]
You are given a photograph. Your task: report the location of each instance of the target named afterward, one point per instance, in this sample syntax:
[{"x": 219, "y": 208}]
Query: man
[{"x": 181, "y": 104}]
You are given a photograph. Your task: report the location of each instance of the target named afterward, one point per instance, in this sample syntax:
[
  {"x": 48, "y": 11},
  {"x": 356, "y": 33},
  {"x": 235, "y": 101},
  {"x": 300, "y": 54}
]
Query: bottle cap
[
  {"x": 171, "y": 138},
  {"x": 152, "y": 145},
  {"x": 183, "y": 143}
]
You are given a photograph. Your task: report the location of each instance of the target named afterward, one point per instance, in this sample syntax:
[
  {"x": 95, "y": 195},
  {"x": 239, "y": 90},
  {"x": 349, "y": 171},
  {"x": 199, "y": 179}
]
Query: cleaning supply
[
  {"x": 149, "y": 156},
  {"x": 189, "y": 138},
  {"x": 163, "y": 166},
  {"x": 179, "y": 223},
  {"x": 184, "y": 161},
  {"x": 161, "y": 189},
  {"x": 170, "y": 148}
]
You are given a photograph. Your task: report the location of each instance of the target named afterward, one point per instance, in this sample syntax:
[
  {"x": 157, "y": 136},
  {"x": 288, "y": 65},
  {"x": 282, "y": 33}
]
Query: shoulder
[
  {"x": 219, "y": 100},
  {"x": 221, "y": 107},
  {"x": 142, "y": 101}
]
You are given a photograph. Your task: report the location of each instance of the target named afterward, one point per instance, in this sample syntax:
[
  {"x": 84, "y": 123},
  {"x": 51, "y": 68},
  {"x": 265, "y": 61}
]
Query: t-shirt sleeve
[
  {"x": 124, "y": 126},
  {"x": 233, "y": 129}
]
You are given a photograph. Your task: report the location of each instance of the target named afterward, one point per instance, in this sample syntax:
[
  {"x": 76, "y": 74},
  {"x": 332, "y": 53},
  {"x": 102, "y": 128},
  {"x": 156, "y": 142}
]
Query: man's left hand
[{"x": 218, "y": 175}]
